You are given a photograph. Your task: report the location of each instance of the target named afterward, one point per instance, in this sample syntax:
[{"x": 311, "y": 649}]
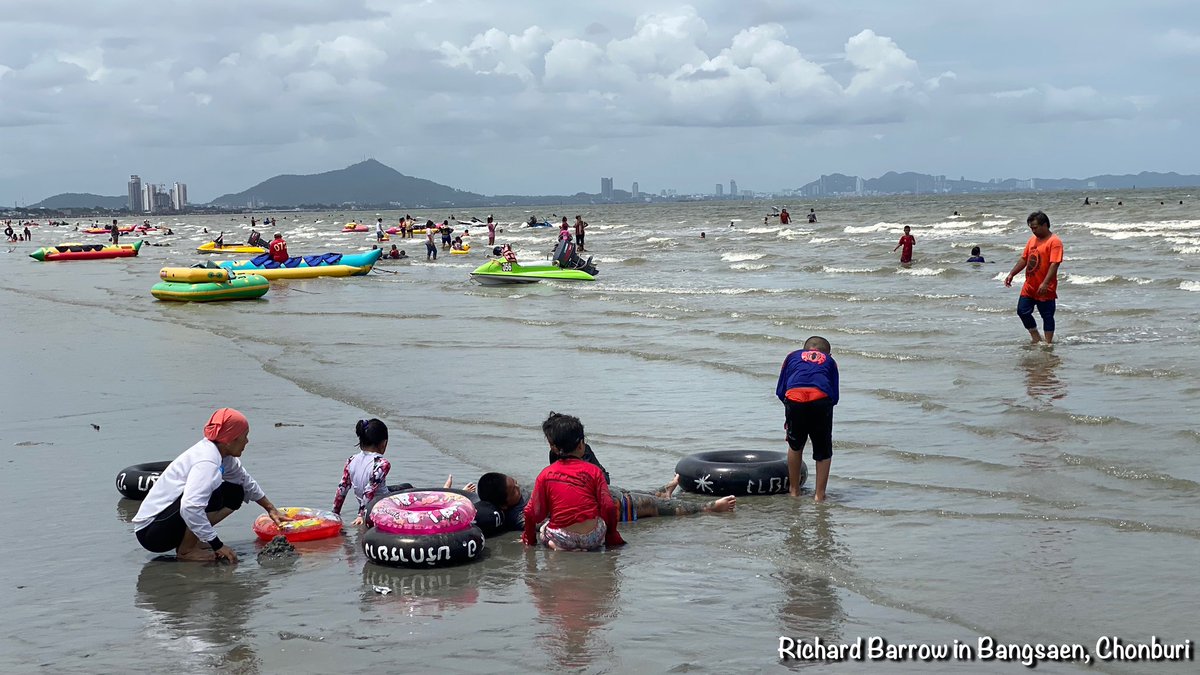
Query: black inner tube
[
  {"x": 134, "y": 482},
  {"x": 735, "y": 472}
]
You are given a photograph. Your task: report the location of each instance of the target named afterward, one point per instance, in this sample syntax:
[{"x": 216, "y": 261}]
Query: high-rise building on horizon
[
  {"x": 606, "y": 188},
  {"x": 637, "y": 194},
  {"x": 720, "y": 190},
  {"x": 135, "y": 194},
  {"x": 179, "y": 196},
  {"x": 733, "y": 188}
]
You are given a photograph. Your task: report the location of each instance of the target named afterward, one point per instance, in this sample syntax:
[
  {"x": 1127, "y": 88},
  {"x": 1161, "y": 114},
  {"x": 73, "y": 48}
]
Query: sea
[{"x": 993, "y": 503}]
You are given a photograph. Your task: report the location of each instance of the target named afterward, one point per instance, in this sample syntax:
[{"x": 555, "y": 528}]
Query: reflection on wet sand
[
  {"x": 576, "y": 595},
  {"x": 431, "y": 590},
  {"x": 813, "y": 557},
  {"x": 200, "y": 612},
  {"x": 127, "y": 509},
  {"x": 1041, "y": 378}
]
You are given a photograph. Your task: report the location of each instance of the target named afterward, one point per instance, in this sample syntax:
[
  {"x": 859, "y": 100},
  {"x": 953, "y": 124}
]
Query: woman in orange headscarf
[{"x": 200, "y": 489}]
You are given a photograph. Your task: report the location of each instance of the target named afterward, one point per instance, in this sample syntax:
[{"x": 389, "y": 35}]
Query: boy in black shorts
[{"x": 808, "y": 388}]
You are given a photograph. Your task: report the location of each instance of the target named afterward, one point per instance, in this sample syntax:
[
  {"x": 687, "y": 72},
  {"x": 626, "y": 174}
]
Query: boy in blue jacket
[{"x": 808, "y": 388}]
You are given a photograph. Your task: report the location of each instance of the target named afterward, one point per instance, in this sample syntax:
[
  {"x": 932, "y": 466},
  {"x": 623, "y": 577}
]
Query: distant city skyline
[
  {"x": 678, "y": 96},
  {"x": 152, "y": 198}
]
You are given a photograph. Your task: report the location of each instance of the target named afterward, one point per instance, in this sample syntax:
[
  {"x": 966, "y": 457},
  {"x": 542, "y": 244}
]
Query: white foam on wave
[
  {"x": 849, "y": 270},
  {"x": 661, "y": 290},
  {"x": 739, "y": 257},
  {"x": 1186, "y": 250},
  {"x": 921, "y": 271},
  {"x": 823, "y": 240},
  {"x": 1086, "y": 280},
  {"x": 877, "y": 227},
  {"x": 1193, "y": 286},
  {"x": 748, "y": 266},
  {"x": 762, "y": 230}
]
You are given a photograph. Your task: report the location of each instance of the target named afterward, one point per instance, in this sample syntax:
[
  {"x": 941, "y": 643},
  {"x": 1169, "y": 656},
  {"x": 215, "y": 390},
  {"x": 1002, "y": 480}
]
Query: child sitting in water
[
  {"x": 975, "y": 257},
  {"x": 365, "y": 472},
  {"x": 457, "y": 245},
  {"x": 571, "y": 496}
]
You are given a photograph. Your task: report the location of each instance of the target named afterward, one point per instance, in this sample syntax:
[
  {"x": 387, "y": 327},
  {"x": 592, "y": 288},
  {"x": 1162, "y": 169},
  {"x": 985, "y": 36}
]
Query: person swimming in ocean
[{"x": 975, "y": 257}]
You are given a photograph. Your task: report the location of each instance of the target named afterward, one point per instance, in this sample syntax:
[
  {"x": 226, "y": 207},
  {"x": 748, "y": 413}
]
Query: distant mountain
[
  {"x": 892, "y": 183},
  {"x": 81, "y": 200},
  {"x": 368, "y": 183}
]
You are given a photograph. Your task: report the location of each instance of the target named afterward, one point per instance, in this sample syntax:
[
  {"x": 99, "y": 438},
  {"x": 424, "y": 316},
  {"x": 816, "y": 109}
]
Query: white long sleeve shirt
[{"x": 195, "y": 474}]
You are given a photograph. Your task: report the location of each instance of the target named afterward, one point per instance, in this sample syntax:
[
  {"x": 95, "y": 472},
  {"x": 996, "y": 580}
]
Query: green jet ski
[{"x": 497, "y": 272}]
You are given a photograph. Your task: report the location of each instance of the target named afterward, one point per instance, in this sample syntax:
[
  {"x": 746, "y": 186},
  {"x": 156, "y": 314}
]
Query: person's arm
[
  {"x": 1020, "y": 265},
  {"x": 1056, "y": 258},
  {"x": 608, "y": 512},
  {"x": 898, "y": 245},
  {"x": 1051, "y": 275},
  {"x": 781, "y": 384},
  {"x": 197, "y": 490},
  {"x": 590, "y": 458},
  {"x": 343, "y": 489},
  {"x": 534, "y": 514},
  {"x": 238, "y": 474},
  {"x": 835, "y": 382}
]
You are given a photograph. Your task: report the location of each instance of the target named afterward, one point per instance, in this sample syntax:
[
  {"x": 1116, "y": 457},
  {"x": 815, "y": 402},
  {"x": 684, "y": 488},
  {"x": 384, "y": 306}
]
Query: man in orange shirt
[
  {"x": 279, "y": 249},
  {"x": 1040, "y": 260}
]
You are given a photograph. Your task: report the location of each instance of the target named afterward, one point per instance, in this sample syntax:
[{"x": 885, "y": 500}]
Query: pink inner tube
[{"x": 421, "y": 513}]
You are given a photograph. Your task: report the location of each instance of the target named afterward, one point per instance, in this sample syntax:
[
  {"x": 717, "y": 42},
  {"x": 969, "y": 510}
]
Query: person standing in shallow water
[
  {"x": 1041, "y": 258},
  {"x": 907, "y": 241},
  {"x": 809, "y": 386}
]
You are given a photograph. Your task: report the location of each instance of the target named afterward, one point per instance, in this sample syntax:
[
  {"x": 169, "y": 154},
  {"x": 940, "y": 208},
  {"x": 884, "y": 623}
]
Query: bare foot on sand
[
  {"x": 818, "y": 498},
  {"x": 723, "y": 504},
  {"x": 196, "y": 555}
]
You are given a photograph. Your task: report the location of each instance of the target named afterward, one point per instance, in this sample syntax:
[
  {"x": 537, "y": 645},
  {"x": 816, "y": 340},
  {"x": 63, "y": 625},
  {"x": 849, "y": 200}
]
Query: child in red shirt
[{"x": 572, "y": 496}]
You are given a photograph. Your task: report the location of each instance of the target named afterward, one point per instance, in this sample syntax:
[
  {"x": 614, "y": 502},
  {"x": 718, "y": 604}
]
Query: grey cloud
[{"x": 316, "y": 84}]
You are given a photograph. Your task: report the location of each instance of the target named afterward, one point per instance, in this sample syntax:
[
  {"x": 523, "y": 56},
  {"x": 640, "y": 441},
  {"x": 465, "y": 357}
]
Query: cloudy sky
[{"x": 539, "y": 97}]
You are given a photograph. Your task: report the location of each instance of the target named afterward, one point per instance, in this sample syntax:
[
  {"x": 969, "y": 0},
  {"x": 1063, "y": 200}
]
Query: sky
[{"x": 539, "y": 97}]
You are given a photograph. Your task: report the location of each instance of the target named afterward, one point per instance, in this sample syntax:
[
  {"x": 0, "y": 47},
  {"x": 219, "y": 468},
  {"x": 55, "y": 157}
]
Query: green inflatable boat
[
  {"x": 497, "y": 272},
  {"x": 241, "y": 287}
]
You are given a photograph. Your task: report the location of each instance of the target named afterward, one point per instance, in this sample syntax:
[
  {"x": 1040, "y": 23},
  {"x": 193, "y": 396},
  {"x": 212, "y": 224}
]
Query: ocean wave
[
  {"x": 921, "y": 271},
  {"x": 749, "y": 267},
  {"x": 850, "y": 270},
  {"x": 1193, "y": 286},
  {"x": 1186, "y": 250},
  {"x": 665, "y": 290},
  {"x": 1086, "y": 280},
  {"x": 823, "y": 240},
  {"x": 1129, "y": 371},
  {"x": 762, "y": 230},
  {"x": 884, "y": 356},
  {"x": 663, "y": 240},
  {"x": 740, "y": 257},
  {"x": 877, "y": 227}
]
